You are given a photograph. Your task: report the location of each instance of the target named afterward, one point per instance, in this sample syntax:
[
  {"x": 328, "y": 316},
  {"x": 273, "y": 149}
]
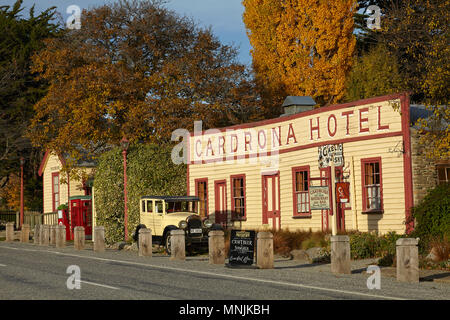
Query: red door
[
  {"x": 220, "y": 196},
  {"x": 271, "y": 200},
  {"x": 340, "y": 212}
]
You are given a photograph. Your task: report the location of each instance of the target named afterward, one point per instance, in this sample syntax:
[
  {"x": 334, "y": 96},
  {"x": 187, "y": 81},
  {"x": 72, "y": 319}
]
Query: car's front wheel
[{"x": 167, "y": 240}]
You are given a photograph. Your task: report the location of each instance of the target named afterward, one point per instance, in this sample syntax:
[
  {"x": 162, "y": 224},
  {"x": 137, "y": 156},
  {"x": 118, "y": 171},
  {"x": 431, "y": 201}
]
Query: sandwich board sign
[{"x": 242, "y": 248}]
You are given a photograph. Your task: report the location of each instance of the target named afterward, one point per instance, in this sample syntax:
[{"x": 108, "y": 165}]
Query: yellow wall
[{"x": 384, "y": 147}]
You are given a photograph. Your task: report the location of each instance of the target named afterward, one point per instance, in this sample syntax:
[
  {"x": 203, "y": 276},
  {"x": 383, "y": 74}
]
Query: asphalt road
[{"x": 30, "y": 272}]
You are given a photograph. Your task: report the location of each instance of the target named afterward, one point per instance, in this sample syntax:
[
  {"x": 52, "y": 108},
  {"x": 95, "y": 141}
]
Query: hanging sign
[
  {"x": 242, "y": 247},
  {"x": 331, "y": 152},
  {"x": 342, "y": 192},
  {"x": 319, "y": 197}
]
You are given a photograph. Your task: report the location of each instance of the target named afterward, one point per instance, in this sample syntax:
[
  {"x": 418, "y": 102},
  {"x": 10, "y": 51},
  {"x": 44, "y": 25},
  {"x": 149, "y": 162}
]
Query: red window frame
[
  {"x": 201, "y": 180},
  {"x": 296, "y": 170},
  {"x": 54, "y": 207},
  {"x": 364, "y": 162},
  {"x": 234, "y": 215}
]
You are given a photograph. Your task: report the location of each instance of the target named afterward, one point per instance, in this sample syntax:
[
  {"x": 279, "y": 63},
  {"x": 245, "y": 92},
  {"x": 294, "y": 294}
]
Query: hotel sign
[
  {"x": 319, "y": 197},
  {"x": 331, "y": 152}
]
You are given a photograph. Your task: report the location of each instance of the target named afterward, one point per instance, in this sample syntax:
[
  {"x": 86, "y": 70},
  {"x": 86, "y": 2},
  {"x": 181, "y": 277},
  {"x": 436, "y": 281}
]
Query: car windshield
[{"x": 181, "y": 206}]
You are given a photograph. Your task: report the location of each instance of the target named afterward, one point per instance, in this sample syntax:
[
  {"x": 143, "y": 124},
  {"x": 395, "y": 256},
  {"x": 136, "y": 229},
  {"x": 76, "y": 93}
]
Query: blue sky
[{"x": 223, "y": 16}]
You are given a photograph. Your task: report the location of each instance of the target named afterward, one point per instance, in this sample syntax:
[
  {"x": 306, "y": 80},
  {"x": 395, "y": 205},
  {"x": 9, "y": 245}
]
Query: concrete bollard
[
  {"x": 53, "y": 235},
  {"x": 37, "y": 232},
  {"x": 25, "y": 233},
  {"x": 60, "y": 236},
  {"x": 216, "y": 245},
  {"x": 99, "y": 239},
  {"x": 145, "y": 242},
  {"x": 44, "y": 235},
  {"x": 264, "y": 250},
  {"x": 177, "y": 245},
  {"x": 340, "y": 255},
  {"x": 10, "y": 232},
  {"x": 407, "y": 260},
  {"x": 79, "y": 238}
]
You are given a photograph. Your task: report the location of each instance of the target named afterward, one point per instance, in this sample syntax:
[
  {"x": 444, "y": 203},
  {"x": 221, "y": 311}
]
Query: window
[
  {"x": 149, "y": 206},
  {"x": 238, "y": 197},
  {"x": 300, "y": 180},
  {"x": 201, "y": 190},
  {"x": 371, "y": 183},
  {"x": 143, "y": 206},
  {"x": 55, "y": 191},
  {"x": 159, "y": 207},
  {"x": 443, "y": 172}
]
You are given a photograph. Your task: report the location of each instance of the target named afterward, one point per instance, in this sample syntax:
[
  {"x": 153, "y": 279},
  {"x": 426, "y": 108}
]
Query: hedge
[{"x": 150, "y": 171}]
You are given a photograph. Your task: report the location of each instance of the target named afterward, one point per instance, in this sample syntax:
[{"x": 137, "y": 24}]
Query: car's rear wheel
[{"x": 167, "y": 239}]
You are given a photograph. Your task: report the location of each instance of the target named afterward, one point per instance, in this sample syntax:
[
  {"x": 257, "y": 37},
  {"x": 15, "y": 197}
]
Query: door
[
  {"x": 158, "y": 216},
  {"x": 220, "y": 199},
  {"x": 340, "y": 212},
  {"x": 271, "y": 200},
  {"x": 87, "y": 218}
]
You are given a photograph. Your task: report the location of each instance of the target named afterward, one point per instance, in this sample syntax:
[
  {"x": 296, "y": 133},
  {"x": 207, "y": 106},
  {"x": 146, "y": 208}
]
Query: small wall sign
[
  {"x": 343, "y": 192},
  {"x": 331, "y": 152},
  {"x": 242, "y": 248},
  {"x": 319, "y": 197}
]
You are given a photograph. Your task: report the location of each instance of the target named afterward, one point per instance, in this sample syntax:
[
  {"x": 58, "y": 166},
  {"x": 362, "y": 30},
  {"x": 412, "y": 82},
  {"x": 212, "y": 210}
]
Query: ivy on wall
[{"x": 150, "y": 171}]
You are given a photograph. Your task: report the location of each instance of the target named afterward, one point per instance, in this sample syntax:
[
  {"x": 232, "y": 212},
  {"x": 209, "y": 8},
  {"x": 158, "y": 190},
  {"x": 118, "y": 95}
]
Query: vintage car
[{"x": 162, "y": 214}]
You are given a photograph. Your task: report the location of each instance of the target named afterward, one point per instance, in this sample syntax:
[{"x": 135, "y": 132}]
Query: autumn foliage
[
  {"x": 301, "y": 47},
  {"x": 134, "y": 69}
]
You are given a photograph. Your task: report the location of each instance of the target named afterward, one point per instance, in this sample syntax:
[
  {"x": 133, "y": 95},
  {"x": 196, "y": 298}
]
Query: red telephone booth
[
  {"x": 81, "y": 214},
  {"x": 63, "y": 219}
]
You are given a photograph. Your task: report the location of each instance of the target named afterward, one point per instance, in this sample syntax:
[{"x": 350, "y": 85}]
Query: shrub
[
  {"x": 432, "y": 217},
  {"x": 150, "y": 171},
  {"x": 364, "y": 245}
]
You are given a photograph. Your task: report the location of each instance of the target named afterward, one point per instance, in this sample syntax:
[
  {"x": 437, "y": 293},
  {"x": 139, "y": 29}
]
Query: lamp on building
[
  {"x": 124, "y": 144},
  {"x": 22, "y": 162}
]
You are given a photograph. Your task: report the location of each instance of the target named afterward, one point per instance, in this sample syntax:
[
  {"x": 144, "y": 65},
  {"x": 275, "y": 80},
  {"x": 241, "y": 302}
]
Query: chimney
[{"x": 297, "y": 104}]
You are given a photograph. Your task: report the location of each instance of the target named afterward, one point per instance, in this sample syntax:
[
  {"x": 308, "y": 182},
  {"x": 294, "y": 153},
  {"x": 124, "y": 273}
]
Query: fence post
[
  {"x": 407, "y": 260},
  {"x": 60, "y": 236},
  {"x": 177, "y": 245},
  {"x": 264, "y": 250},
  {"x": 10, "y": 232},
  {"x": 44, "y": 235},
  {"x": 145, "y": 242},
  {"x": 53, "y": 235},
  {"x": 25, "y": 233},
  {"x": 99, "y": 239},
  {"x": 340, "y": 254},
  {"x": 37, "y": 231},
  {"x": 216, "y": 245},
  {"x": 79, "y": 238}
]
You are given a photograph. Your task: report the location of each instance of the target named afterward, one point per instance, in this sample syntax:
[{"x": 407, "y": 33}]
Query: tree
[
  {"x": 134, "y": 69},
  {"x": 374, "y": 74},
  {"x": 302, "y": 47},
  {"x": 19, "y": 90}
]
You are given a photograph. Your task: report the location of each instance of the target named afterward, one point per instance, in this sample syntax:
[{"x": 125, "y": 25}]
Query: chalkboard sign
[{"x": 242, "y": 247}]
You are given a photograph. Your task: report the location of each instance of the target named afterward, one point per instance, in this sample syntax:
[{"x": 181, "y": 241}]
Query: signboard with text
[
  {"x": 242, "y": 247},
  {"x": 331, "y": 152},
  {"x": 319, "y": 197}
]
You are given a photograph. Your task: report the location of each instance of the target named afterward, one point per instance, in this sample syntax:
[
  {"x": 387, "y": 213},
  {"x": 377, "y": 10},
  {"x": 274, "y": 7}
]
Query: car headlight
[
  {"x": 182, "y": 224},
  {"x": 207, "y": 223}
]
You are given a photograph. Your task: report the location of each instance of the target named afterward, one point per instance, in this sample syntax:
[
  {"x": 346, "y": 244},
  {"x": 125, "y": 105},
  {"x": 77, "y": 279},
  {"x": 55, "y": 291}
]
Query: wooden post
[
  {"x": 216, "y": 245},
  {"x": 44, "y": 235},
  {"x": 25, "y": 233},
  {"x": 407, "y": 260},
  {"x": 353, "y": 194},
  {"x": 145, "y": 242},
  {"x": 177, "y": 245},
  {"x": 99, "y": 239},
  {"x": 10, "y": 232},
  {"x": 340, "y": 254},
  {"x": 79, "y": 238},
  {"x": 60, "y": 236},
  {"x": 37, "y": 231},
  {"x": 53, "y": 234},
  {"x": 264, "y": 250}
]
